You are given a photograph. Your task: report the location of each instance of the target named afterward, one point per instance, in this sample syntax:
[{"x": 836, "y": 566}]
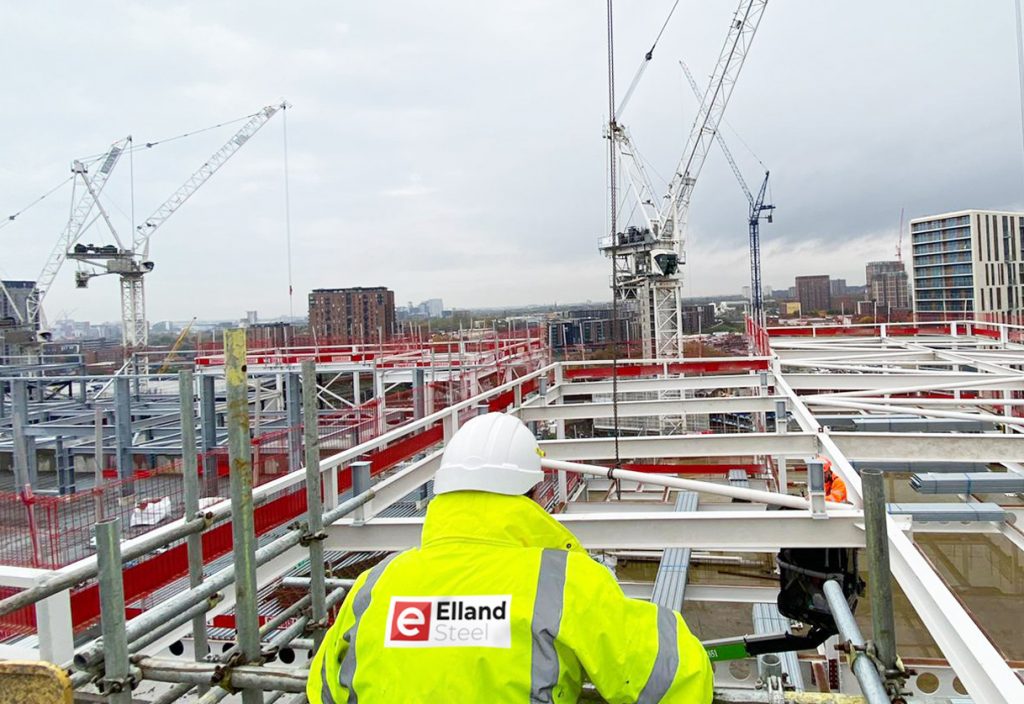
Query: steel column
[
  {"x": 24, "y": 445},
  {"x": 360, "y": 484},
  {"x": 243, "y": 528},
  {"x": 115, "y": 637},
  {"x": 419, "y": 401},
  {"x": 190, "y": 479},
  {"x": 208, "y": 432},
  {"x": 295, "y": 400},
  {"x": 123, "y": 433},
  {"x": 314, "y": 505},
  {"x": 883, "y": 623}
]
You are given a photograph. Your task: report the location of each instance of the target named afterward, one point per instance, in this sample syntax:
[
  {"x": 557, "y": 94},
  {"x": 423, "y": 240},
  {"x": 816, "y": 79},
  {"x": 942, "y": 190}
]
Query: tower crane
[
  {"x": 758, "y": 210},
  {"x": 648, "y": 259},
  {"x": 132, "y": 263},
  {"x": 86, "y": 189}
]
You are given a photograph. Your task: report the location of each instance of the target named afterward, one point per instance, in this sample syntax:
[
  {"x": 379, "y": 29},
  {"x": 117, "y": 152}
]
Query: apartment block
[
  {"x": 352, "y": 315},
  {"x": 968, "y": 263}
]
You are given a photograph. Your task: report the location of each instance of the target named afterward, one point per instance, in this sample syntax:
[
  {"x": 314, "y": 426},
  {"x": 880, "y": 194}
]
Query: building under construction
[{"x": 930, "y": 414}]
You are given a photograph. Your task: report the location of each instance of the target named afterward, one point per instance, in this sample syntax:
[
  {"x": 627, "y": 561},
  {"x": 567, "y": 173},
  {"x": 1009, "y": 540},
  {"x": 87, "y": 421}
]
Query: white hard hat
[{"x": 494, "y": 453}]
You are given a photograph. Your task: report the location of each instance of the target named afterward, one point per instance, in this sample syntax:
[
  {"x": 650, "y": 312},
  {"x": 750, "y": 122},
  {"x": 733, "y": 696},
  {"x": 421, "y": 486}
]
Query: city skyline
[{"x": 498, "y": 221}]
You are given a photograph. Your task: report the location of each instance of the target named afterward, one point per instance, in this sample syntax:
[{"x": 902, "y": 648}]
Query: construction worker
[
  {"x": 835, "y": 487},
  {"x": 500, "y": 603}
]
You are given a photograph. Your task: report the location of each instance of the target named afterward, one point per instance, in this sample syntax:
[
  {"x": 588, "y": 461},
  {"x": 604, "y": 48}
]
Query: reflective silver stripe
[
  {"x": 325, "y": 690},
  {"x": 667, "y": 661},
  {"x": 359, "y": 606},
  {"x": 547, "y": 618}
]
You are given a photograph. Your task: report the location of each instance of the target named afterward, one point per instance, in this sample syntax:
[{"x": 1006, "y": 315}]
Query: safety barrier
[
  {"x": 348, "y": 435},
  {"x": 52, "y": 532}
]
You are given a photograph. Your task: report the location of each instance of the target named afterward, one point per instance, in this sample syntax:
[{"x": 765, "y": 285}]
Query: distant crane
[
  {"x": 82, "y": 204},
  {"x": 758, "y": 210},
  {"x": 133, "y": 263},
  {"x": 899, "y": 240},
  {"x": 648, "y": 259}
]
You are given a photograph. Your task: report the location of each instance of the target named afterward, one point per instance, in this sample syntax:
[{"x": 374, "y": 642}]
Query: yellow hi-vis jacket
[{"x": 501, "y": 604}]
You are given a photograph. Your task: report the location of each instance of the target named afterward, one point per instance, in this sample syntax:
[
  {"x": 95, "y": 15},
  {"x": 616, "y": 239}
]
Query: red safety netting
[{"x": 49, "y": 531}]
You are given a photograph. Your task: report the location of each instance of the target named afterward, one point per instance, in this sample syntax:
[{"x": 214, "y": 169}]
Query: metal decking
[{"x": 670, "y": 582}]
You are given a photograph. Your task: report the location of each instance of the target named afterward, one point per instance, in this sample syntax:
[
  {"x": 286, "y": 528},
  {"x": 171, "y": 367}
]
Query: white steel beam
[
  {"x": 724, "y": 445},
  {"x": 721, "y": 593},
  {"x": 740, "y": 531},
  {"x": 576, "y": 411},
  {"x": 903, "y": 382},
  {"x": 399, "y": 485},
  {"x": 982, "y": 669},
  {"x": 966, "y": 447},
  {"x": 731, "y": 381}
]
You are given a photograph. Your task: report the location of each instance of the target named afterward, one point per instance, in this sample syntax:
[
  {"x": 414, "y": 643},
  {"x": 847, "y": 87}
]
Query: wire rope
[
  {"x": 613, "y": 196},
  {"x": 646, "y": 60},
  {"x": 1020, "y": 67},
  {"x": 287, "y": 212},
  {"x": 13, "y": 216}
]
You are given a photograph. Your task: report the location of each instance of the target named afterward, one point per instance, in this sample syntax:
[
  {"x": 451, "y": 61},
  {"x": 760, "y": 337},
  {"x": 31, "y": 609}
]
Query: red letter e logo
[{"x": 410, "y": 621}]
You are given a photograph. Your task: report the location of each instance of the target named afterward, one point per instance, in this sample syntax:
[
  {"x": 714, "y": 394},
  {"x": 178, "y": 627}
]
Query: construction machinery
[
  {"x": 649, "y": 257},
  {"x": 758, "y": 210},
  {"x": 173, "y": 352},
  {"x": 129, "y": 260},
  {"x": 86, "y": 190},
  {"x": 132, "y": 263}
]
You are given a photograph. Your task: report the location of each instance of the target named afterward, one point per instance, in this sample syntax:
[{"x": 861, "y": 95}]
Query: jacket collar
[{"x": 476, "y": 516}]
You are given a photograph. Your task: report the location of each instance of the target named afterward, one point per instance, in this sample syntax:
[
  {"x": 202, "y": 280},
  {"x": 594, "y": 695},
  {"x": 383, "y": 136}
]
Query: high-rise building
[
  {"x": 352, "y": 315},
  {"x": 433, "y": 307},
  {"x": 837, "y": 287},
  {"x": 888, "y": 285},
  {"x": 969, "y": 263},
  {"x": 814, "y": 293}
]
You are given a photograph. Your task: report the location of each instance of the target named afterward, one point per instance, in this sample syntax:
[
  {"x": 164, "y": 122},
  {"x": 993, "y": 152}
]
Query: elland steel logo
[{"x": 449, "y": 621}]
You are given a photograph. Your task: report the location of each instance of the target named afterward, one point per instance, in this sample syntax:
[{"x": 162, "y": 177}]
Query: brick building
[
  {"x": 814, "y": 293},
  {"x": 352, "y": 315}
]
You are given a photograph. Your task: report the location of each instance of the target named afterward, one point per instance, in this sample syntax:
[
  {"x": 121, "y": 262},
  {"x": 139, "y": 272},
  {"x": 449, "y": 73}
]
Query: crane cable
[
  {"x": 13, "y": 216},
  {"x": 287, "y": 210},
  {"x": 183, "y": 135},
  {"x": 131, "y": 150},
  {"x": 613, "y": 197},
  {"x": 1020, "y": 64},
  {"x": 646, "y": 60}
]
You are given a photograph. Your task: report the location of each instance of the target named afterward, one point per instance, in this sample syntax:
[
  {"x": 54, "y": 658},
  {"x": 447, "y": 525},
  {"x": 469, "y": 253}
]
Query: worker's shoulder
[
  {"x": 382, "y": 568},
  {"x": 585, "y": 572}
]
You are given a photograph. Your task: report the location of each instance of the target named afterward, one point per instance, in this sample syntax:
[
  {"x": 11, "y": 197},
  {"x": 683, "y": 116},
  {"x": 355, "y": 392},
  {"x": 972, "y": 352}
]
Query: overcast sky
[{"x": 453, "y": 149}]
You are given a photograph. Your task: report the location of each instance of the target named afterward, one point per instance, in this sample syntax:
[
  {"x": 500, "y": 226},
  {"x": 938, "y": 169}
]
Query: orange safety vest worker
[
  {"x": 835, "y": 487},
  {"x": 500, "y": 603}
]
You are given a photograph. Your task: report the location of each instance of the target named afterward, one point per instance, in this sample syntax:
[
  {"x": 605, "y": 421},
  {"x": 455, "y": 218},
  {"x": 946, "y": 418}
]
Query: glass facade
[
  {"x": 942, "y": 269},
  {"x": 967, "y": 263}
]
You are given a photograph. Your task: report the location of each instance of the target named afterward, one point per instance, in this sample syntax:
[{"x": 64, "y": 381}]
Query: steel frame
[{"x": 900, "y": 364}]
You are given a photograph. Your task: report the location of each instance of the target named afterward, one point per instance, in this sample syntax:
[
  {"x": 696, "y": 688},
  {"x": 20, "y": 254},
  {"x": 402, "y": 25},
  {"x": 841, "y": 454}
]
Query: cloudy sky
[{"x": 453, "y": 149}]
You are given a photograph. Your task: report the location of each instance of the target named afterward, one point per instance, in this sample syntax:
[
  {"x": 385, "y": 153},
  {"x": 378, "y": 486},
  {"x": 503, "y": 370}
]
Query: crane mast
[
  {"x": 651, "y": 256},
  {"x": 758, "y": 210},
  {"x": 131, "y": 265}
]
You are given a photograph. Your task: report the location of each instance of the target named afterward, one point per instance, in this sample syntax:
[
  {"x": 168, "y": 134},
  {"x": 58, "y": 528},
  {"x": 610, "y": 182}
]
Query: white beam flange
[{"x": 740, "y": 531}]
